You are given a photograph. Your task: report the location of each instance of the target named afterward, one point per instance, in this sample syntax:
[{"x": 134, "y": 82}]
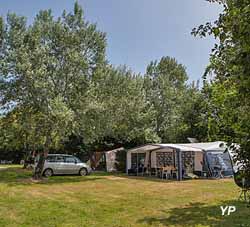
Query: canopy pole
[
  {"x": 137, "y": 159},
  {"x": 179, "y": 164},
  {"x": 127, "y": 162}
]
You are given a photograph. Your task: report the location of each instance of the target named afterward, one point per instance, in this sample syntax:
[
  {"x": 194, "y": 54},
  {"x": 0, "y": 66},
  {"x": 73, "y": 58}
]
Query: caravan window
[
  {"x": 138, "y": 160},
  {"x": 219, "y": 161}
]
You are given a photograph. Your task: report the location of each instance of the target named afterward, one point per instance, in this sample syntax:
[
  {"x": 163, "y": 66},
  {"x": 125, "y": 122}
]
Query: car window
[
  {"x": 70, "y": 159},
  {"x": 51, "y": 159},
  {"x": 59, "y": 159},
  {"x": 78, "y": 160}
]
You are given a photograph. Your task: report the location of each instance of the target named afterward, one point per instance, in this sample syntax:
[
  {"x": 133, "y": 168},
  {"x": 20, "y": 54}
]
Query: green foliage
[
  {"x": 193, "y": 120},
  {"x": 167, "y": 92},
  {"x": 116, "y": 108},
  {"x": 229, "y": 91},
  {"x": 58, "y": 92},
  {"x": 46, "y": 68}
]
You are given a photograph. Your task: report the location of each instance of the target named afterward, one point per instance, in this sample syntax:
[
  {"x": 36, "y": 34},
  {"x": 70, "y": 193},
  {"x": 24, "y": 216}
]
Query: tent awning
[
  {"x": 150, "y": 147},
  {"x": 218, "y": 145}
]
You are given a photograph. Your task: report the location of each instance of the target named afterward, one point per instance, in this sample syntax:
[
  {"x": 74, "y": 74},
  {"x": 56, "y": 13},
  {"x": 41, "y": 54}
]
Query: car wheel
[
  {"x": 83, "y": 172},
  {"x": 48, "y": 172}
]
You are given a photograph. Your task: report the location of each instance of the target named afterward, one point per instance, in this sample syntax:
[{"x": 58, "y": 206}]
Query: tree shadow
[
  {"x": 11, "y": 174},
  {"x": 145, "y": 178},
  {"x": 201, "y": 214},
  {"x": 18, "y": 176}
]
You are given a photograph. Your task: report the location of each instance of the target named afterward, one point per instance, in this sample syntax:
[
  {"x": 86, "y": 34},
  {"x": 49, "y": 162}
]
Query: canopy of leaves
[
  {"x": 117, "y": 108},
  {"x": 46, "y": 68},
  {"x": 229, "y": 92},
  {"x": 57, "y": 90},
  {"x": 167, "y": 92}
]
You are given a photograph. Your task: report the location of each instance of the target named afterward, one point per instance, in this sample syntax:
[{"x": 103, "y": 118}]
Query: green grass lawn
[{"x": 116, "y": 201}]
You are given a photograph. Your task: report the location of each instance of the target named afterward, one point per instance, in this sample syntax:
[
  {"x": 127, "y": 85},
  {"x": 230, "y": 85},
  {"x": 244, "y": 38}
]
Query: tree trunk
[
  {"x": 27, "y": 155},
  {"x": 25, "y": 164},
  {"x": 39, "y": 167},
  {"x": 27, "y": 159},
  {"x": 38, "y": 173},
  {"x": 92, "y": 159}
]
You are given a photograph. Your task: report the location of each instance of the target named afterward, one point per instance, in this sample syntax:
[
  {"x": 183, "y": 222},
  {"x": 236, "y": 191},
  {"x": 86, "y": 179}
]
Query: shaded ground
[{"x": 116, "y": 201}]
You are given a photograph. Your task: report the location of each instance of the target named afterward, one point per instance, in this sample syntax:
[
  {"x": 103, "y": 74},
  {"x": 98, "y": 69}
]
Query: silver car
[{"x": 64, "y": 164}]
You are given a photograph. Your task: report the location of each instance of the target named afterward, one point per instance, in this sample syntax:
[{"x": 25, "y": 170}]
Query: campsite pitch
[{"x": 101, "y": 200}]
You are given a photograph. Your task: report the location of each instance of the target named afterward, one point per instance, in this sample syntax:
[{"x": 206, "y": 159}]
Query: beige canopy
[{"x": 152, "y": 154}]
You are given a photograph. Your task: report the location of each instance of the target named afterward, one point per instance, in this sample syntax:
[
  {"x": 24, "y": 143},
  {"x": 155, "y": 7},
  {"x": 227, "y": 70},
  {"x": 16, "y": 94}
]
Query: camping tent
[
  {"x": 201, "y": 158},
  {"x": 111, "y": 159}
]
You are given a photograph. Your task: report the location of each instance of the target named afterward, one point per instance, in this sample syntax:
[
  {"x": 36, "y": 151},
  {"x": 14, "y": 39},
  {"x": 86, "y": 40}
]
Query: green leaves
[
  {"x": 47, "y": 69},
  {"x": 166, "y": 92},
  {"x": 229, "y": 91},
  {"x": 55, "y": 76},
  {"x": 116, "y": 108}
]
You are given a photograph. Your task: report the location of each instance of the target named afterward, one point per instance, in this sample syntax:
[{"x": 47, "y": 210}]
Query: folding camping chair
[{"x": 167, "y": 172}]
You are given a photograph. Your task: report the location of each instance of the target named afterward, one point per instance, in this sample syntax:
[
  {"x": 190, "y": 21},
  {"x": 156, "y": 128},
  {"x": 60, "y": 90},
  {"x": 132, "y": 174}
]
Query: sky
[{"x": 139, "y": 31}]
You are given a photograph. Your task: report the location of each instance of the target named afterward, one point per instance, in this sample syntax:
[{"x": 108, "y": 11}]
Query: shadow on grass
[
  {"x": 200, "y": 214},
  {"x": 12, "y": 174},
  {"x": 145, "y": 178},
  {"x": 160, "y": 180},
  {"x": 18, "y": 176}
]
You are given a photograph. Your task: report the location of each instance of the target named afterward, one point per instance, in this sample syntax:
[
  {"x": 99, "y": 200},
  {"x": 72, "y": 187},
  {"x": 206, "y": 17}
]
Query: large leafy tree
[
  {"x": 115, "y": 113},
  {"x": 229, "y": 90},
  {"x": 20, "y": 135},
  {"x": 17, "y": 132},
  {"x": 165, "y": 84},
  {"x": 46, "y": 68},
  {"x": 117, "y": 108},
  {"x": 193, "y": 120}
]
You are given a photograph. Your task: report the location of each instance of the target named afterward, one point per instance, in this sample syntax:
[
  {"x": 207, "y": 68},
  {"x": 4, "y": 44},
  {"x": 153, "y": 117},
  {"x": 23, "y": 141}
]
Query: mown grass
[{"x": 101, "y": 200}]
